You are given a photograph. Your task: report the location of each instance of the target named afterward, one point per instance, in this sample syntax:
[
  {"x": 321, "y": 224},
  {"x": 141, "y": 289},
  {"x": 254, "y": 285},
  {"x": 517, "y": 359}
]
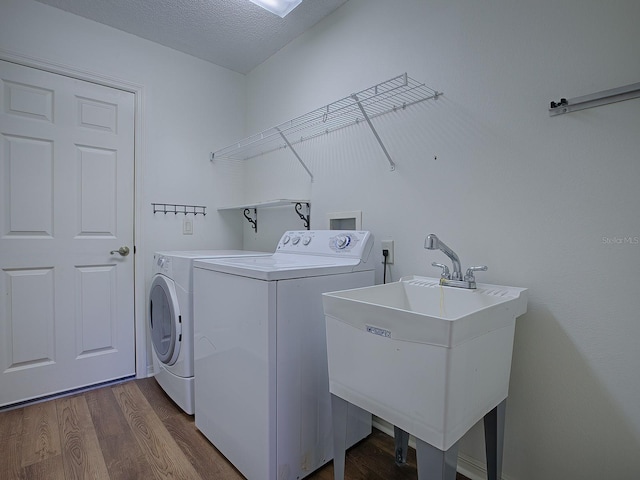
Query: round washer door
[{"x": 164, "y": 319}]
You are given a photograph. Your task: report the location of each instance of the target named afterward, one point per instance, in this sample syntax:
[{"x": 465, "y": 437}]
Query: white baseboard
[{"x": 467, "y": 466}]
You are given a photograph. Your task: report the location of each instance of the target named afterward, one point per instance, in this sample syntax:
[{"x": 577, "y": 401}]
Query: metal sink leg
[
  {"x": 435, "y": 464},
  {"x": 401, "y": 445},
  {"x": 494, "y": 440},
  {"x": 339, "y": 408}
]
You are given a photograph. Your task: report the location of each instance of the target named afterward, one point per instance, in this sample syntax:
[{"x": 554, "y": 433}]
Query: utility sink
[{"x": 430, "y": 359}]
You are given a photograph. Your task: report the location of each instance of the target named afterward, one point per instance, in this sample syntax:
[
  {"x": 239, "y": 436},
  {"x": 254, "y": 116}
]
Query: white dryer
[
  {"x": 171, "y": 320},
  {"x": 262, "y": 395}
]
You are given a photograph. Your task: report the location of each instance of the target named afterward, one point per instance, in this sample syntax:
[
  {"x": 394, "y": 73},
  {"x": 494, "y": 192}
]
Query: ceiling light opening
[{"x": 278, "y": 7}]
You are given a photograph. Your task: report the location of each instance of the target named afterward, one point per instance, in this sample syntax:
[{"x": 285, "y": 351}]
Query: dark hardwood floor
[{"x": 134, "y": 431}]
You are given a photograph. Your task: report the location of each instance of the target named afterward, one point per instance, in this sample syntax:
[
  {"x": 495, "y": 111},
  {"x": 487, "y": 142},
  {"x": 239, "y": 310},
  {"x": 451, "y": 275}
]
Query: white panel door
[{"x": 66, "y": 202}]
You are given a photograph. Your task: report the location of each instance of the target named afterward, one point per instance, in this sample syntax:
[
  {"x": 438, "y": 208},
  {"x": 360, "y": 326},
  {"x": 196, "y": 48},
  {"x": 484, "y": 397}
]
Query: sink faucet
[
  {"x": 432, "y": 242},
  {"x": 455, "y": 278}
]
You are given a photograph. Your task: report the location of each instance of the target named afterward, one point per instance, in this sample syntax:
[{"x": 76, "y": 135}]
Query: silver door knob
[{"x": 124, "y": 251}]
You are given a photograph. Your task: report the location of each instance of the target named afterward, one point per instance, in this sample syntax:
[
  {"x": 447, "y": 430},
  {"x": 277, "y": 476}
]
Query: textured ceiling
[{"x": 235, "y": 34}]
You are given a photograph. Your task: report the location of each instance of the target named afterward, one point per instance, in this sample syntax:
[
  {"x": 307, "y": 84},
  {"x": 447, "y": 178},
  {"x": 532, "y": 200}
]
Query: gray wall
[{"x": 545, "y": 202}]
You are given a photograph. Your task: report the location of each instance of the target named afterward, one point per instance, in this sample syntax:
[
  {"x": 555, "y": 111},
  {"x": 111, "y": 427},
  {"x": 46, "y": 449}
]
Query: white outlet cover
[
  {"x": 387, "y": 244},
  {"x": 187, "y": 226}
]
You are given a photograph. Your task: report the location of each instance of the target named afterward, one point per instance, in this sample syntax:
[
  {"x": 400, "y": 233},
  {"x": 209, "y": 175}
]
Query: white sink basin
[
  {"x": 418, "y": 309},
  {"x": 431, "y": 360}
]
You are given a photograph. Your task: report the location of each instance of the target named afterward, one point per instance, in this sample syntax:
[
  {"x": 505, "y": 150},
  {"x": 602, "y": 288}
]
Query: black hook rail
[{"x": 176, "y": 209}]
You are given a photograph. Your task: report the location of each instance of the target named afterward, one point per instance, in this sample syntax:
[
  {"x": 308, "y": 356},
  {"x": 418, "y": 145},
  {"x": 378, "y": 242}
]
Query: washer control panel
[
  {"x": 343, "y": 241},
  {"x": 348, "y": 243}
]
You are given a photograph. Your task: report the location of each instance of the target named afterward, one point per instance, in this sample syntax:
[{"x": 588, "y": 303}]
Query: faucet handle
[
  {"x": 445, "y": 269},
  {"x": 476, "y": 268}
]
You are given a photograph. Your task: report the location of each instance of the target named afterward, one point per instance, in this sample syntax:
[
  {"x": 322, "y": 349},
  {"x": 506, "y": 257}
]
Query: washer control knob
[
  {"x": 306, "y": 240},
  {"x": 342, "y": 241},
  {"x": 286, "y": 239},
  {"x": 295, "y": 240},
  {"x": 161, "y": 261}
]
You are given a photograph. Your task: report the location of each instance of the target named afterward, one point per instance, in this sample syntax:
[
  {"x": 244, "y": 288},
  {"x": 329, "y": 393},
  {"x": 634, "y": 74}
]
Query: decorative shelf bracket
[
  {"x": 253, "y": 221},
  {"x": 604, "y": 97},
  {"x": 306, "y": 219},
  {"x": 176, "y": 209}
]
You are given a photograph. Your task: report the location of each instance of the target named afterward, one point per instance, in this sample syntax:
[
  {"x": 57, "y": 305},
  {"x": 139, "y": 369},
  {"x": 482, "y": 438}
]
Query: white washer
[
  {"x": 262, "y": 395},
  {"x": 171, "y": 321}
]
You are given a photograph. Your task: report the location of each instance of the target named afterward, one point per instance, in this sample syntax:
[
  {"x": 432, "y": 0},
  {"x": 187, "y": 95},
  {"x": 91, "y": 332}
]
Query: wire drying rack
[{"x": 397, "y": 93}]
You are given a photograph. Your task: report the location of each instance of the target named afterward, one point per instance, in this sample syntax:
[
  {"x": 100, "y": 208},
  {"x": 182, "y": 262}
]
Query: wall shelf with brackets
[
  {"x": 252, "y": 217},
  {"x": 395, "y": 94}
]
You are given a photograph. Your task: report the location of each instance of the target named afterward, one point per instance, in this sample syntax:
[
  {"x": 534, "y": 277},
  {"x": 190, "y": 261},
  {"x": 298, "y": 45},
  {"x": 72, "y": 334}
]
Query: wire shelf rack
[{"x": 397, "y": 93}]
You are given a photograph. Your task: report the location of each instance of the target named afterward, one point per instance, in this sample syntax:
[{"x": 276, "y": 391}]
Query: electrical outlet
[
  {"x": 388, "y": 245},
  {"x": 187, "y": 226}
]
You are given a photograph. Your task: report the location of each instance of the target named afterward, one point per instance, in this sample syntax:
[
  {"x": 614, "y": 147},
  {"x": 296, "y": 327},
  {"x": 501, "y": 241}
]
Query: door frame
[{"x": 143, "y": 366}]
